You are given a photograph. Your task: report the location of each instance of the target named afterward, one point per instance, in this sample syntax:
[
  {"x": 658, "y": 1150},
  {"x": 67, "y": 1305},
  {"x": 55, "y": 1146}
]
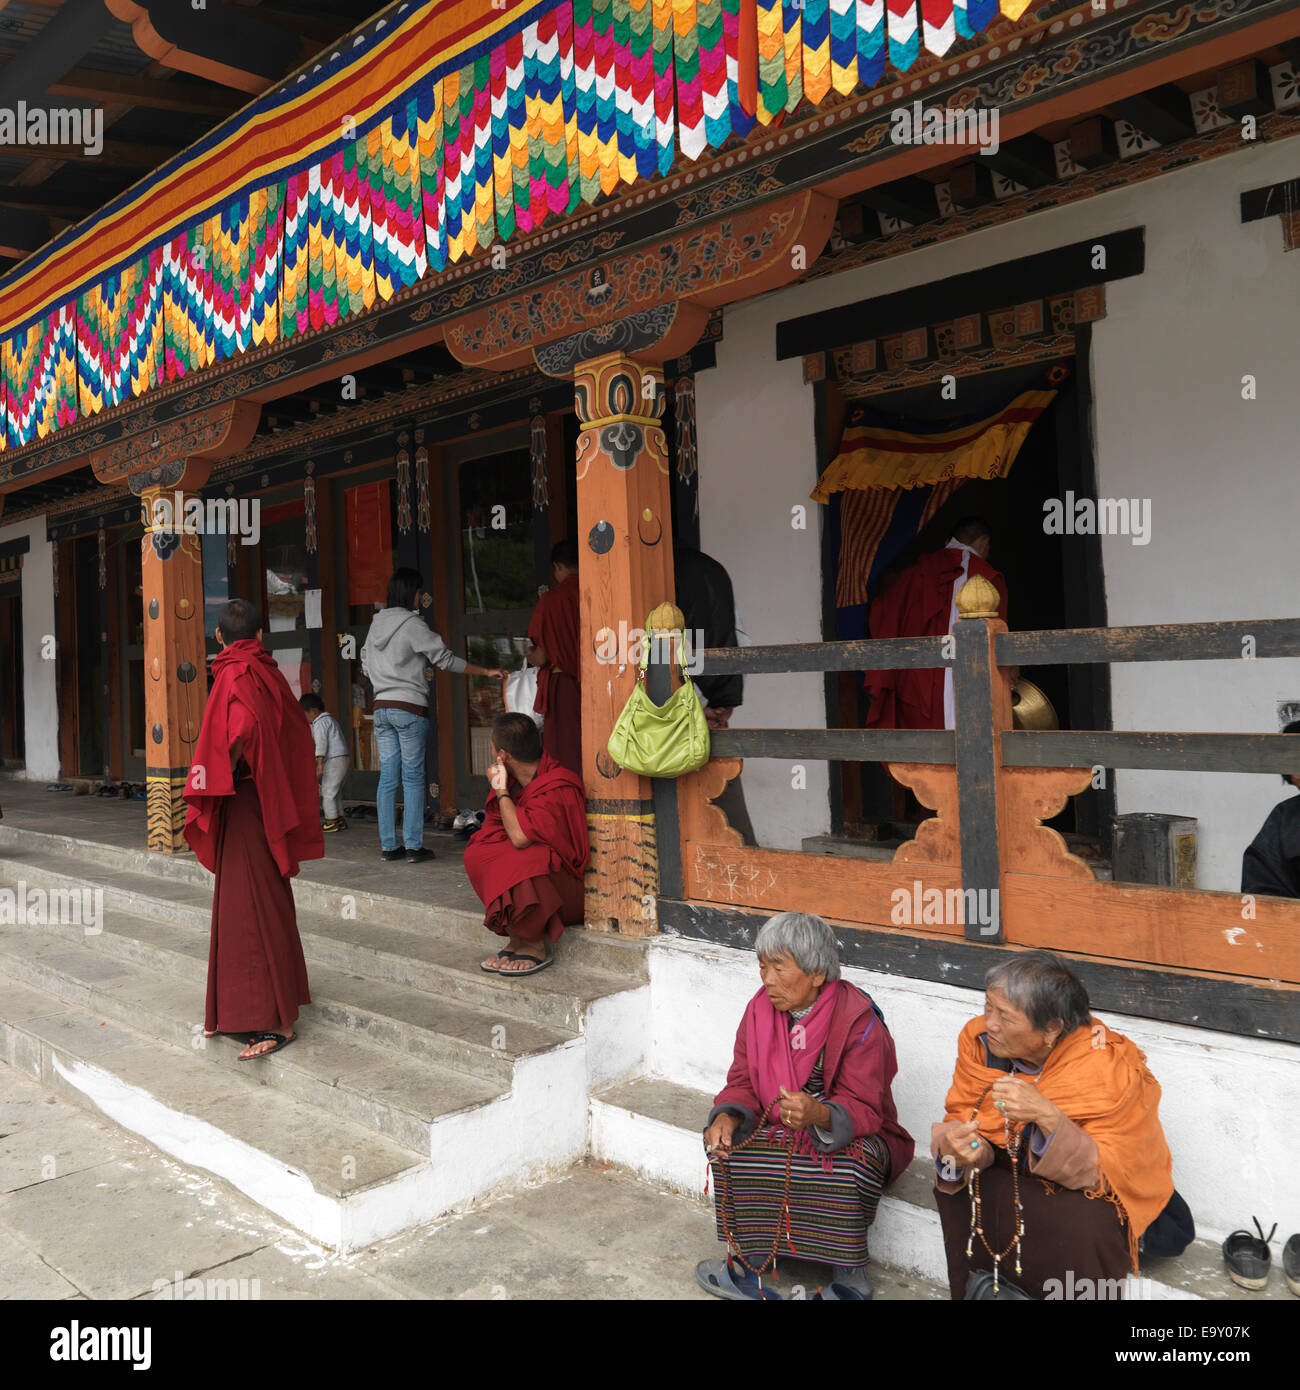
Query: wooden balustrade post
[
  {"x": 625, "y": 542},
  {"x": 982, "y": 704},
  {"x": 175, "y": 675}
]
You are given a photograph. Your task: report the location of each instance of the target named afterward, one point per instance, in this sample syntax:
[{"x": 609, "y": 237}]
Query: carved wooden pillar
[
  {"x": 625, "y": 570},
  {"x": 175, "y": 678}
]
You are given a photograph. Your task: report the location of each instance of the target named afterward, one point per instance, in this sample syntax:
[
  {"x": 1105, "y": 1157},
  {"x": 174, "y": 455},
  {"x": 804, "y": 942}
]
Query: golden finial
[
  {"x": 977, "y": 598},
  {"x": 667, "y": 617}
]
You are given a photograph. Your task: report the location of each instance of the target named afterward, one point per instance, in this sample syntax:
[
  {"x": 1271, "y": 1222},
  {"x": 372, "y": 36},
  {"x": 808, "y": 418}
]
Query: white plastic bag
[{"x": 521, "y": 691}]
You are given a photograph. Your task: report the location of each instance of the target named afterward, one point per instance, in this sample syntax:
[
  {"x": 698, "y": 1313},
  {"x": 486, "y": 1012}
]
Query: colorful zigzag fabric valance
[{"x": 434, "y": 131}]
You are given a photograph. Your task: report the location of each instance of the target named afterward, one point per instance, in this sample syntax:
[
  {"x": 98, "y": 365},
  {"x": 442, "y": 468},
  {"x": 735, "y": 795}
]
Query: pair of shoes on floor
[
  {"x": 1248, "y": 1258},
  {"x": 412, "y": 856},
  {"x": 331, "y": 827}
]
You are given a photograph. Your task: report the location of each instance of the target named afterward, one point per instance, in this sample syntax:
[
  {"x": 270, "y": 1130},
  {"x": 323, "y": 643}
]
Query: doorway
[
  {"x": 12, "y": 716},
  {"x": 1052, "y": 582}
]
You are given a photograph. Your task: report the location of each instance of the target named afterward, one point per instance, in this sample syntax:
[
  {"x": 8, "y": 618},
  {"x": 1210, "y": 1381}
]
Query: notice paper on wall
[{"x": 311, "y": 612}]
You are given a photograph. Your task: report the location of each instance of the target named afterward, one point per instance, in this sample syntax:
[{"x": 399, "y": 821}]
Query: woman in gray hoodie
[{"x": 397, "y": 648}]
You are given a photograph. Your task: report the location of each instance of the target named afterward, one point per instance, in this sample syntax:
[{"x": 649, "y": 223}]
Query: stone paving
[{"x": 88, "y": 1211}]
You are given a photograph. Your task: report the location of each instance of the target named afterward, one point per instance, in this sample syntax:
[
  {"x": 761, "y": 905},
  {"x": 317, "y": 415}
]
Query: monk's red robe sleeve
[{"x": 242, "y": 727}]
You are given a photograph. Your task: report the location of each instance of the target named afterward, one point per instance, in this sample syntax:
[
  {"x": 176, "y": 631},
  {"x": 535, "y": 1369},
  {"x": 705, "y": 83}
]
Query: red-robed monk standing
[
  {"x": 252, "y": 817},
  {"x": 553, "y": 637},
  {"x": 528, "y": 858},
  {"x": 921, "y": 602}
]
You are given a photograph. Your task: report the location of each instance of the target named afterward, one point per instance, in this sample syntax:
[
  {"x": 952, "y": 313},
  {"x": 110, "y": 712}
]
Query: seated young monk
[
  {"x": 1048, "y": 1109},
  {"x": 804, "y": 1136},
  {"x": 528, "y": 858},
  {"x": 252, "y": 815}
]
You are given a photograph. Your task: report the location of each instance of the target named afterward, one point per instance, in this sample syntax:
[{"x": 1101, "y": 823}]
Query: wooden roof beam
[
  {"x": 89, "y": 84},
  {"x": 223, "y": 43},
  {"x": 121, "y": 152},
  {"x": 1163, "y": 113},
  {"x": 22, "y": 231}
]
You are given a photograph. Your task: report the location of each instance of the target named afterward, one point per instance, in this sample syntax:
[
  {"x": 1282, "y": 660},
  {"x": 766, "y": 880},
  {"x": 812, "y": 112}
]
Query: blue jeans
[{"x": 401, "y": 737}]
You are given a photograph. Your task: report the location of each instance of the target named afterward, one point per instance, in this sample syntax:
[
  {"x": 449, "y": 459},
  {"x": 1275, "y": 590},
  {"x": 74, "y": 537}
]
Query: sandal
[
  {"x": 723, "y": 1280},
  {"x": 492, "y": 969},
  {"x": 281, "y": 1040},
  {"x": 519, "y": 974},
  {"x": 1247, "y": 1256},
  {"x": 840, "y": 1293}
]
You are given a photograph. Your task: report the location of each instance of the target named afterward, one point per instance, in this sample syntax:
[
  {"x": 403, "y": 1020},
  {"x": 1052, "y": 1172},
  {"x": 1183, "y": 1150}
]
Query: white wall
[
  {"x": 1218, "y": 300},
  {"x": 40, "y": 694},
  {"x": 755, "y": 421},
  {"x": 1228, "y": 1106}
]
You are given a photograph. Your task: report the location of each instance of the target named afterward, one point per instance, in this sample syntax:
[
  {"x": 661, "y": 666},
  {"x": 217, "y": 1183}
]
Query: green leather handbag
[{"x": 660, "y": 740}]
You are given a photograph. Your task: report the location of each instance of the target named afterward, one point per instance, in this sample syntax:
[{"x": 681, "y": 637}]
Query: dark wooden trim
[
  {"x": 1270, "y": 201},
  {"x": 1273, "y": 638},
  {"x": 1223, "y": 1004},
  {"x": 1167, "y": 752},
  {"x": 977, "y": 770},
  {"x": 1009, "y": 282},
  {"x": 327, "y": 498},
  {"x": 1084, "y": 583},
  {"x": 882, "y": 654},
  {"x": 830, "y": 677},
  {"x": 846, "y": 745},
  {"x": 18, "y": 546},
  {"x": 668, "y": 833}
]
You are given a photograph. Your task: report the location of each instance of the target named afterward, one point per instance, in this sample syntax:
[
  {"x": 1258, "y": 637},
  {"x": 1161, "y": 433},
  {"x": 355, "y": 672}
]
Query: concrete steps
[
  {"x": 450, "y": 1082},
  {"x": 653, "y": 1127}
]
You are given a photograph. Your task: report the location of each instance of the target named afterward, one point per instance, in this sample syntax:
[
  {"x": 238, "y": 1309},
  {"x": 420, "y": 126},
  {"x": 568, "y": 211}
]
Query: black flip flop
[
  {"x": 1248, "y": 1257},
  {"x": 492, "y": 969},
  {"x": 282, "y": 1040},
  {"x": 520, "y": 974}
]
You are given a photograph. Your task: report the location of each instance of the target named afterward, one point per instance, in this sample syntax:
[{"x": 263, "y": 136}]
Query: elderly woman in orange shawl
[{"x": 1050, "y": 1161}]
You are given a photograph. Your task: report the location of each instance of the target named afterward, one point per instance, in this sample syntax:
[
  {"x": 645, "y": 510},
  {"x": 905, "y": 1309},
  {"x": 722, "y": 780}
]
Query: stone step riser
[
  {"x": 339, "y": 1224},
  {"x": 443, "y": 1050},
  {"x": 550, "y": 1008},
  {"x": 109, "y": 1003},
  {"x": 478, "y": 991},
  {"x": 482, "y": 1061},
  {"x": 461, "y": 1171},
  {"x": 585, "y": 948}
]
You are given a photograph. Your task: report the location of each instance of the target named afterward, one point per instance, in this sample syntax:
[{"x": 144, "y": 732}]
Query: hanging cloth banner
[
  {"x": 871, "y": 457},
  {"x": 885, "y": 485}
]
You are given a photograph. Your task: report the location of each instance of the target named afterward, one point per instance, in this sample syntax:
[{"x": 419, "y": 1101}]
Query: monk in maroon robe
[
  {"x": 919, "y": 603},
  {"x": 252, "y": 817},
  {"x": 528, "y": 858},
  {"x": 553, "y": 635}
]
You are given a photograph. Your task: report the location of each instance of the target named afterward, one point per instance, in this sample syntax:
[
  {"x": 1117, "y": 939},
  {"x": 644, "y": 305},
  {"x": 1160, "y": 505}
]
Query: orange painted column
[
  {"x": 175, "y": 676},
  {"x": 625, "y": 569}
]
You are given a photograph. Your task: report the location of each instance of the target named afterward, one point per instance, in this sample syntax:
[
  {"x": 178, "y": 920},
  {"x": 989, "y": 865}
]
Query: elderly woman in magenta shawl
[
  {"x": 1038, "y": 1076},
  {"x": 807, "y": 1096}
]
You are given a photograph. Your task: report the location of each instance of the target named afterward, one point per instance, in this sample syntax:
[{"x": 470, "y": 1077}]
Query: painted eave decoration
[{"x": 429, "y": 134}]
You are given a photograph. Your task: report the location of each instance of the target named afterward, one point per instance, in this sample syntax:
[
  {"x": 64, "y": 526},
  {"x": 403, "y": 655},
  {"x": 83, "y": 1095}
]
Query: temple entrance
[
  {"x": 496, "y": 565},
  {"x": 1052, "y": 582}
]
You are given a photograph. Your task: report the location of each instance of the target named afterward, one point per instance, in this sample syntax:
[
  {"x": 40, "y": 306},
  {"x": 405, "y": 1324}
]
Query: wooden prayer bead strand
[
  {"x": 1013, "y": 1138},
  {"x": 725, "y": 1185}
]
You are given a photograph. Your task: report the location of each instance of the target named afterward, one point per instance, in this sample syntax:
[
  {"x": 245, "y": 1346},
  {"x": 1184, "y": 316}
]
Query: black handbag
[{"x": 979, "y": 1288}]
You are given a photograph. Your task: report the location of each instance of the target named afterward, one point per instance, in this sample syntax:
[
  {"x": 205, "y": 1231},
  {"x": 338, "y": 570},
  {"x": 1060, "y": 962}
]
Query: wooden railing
[{"x": 1212, "y": 959}]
